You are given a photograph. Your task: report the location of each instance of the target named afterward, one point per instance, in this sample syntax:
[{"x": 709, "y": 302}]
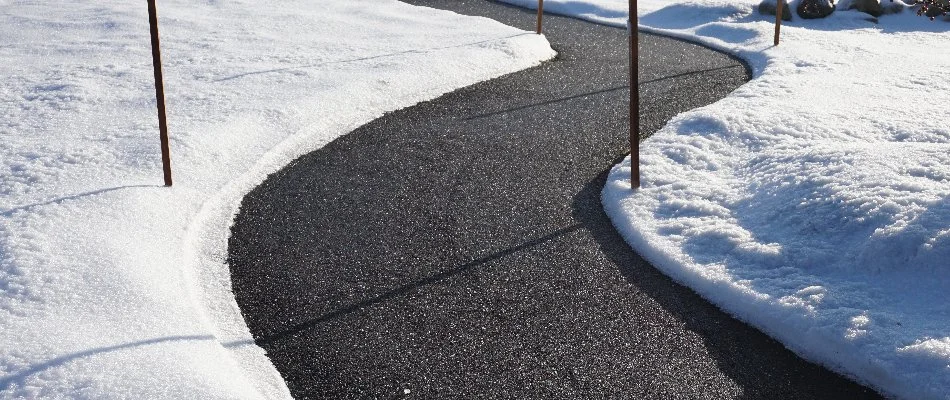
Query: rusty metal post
[
  {"x": 779, "y": 5},
  {"x": 540, "y": 13},
  {"x": 634, "y": 98},
  {"x": 160, "y": 92}
]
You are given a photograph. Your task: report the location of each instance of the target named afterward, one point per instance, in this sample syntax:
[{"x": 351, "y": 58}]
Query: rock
[
  {"x": 893, "y": 7},
  {"x": 935, "y": 11},
  {"x": 811, "y": 9},
  {"x": 872, "y": 7},
  {"x": 767, "y": 7}
]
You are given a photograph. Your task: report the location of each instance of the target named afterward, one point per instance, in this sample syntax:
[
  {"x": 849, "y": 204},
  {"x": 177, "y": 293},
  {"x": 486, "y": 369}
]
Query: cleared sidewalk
[{"x": 458, "y": 249}]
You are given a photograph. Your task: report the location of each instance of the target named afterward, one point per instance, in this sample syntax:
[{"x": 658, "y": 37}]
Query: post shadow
[
  {"x": 409, "y": 287},
  {"x": 19, "y": 377}
]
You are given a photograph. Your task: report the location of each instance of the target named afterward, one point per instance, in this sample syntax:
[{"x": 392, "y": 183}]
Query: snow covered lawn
[
  {"x": 813, "y": 202},
  {"x": 113, "y": 286}
]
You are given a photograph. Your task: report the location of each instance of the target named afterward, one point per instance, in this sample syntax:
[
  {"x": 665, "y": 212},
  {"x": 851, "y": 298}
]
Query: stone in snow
[
  {"x": 811, "y": 9},
  {"x": 768, "y": 7}
]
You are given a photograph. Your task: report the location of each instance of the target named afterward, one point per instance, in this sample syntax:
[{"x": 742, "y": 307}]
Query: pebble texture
[{"x": 458, "y": 249}]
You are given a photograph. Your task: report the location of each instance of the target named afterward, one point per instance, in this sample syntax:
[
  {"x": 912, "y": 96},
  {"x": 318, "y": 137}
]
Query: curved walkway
[{"x": 458, "y": 248}]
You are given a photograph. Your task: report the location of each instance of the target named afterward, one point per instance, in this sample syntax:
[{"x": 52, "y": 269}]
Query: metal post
[
  {"x": 634, "y": 98},
  {"x": 780, "y": 4},
  {"x": 160, "y": 92},
  {"x": 540, "y": 12}
]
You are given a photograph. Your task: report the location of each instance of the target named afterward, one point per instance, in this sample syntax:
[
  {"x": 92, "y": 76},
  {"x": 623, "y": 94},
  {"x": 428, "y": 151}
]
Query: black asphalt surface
[{"x": 458, "y": 248}]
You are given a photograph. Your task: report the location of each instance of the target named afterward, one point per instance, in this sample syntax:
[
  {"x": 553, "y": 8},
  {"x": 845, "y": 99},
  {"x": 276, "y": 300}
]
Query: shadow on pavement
[
  {"x": 401, "y": 290},
  {"x": 750, "y": 358}
]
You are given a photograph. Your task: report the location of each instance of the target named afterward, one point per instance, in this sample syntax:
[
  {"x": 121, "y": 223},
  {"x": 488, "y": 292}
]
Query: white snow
[
  {"x": 814, "y": 201},
  {"x": 114, "y": 286}
]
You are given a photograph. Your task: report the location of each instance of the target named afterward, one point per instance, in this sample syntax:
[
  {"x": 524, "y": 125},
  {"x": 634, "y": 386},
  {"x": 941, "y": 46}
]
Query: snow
[
  {"x": 114, "y": 286},
  {"x": 814, "y": 201}
]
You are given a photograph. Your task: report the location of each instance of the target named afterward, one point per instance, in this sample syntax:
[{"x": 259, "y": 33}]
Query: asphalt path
[{"x": 458, "y": 248}]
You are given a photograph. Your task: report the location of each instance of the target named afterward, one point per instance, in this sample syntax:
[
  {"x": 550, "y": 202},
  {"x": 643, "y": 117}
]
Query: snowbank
[
  {"x": 113, "y": 286},
  {"x": 813, "y": 202}
]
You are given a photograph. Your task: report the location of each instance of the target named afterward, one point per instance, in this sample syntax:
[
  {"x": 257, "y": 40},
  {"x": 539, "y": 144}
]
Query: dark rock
[
  {"x": 872, "y": 7},
  {"x": 893, "y": 7},
  {"x": 811, "y": 9},
  {"x": 935, "y": 11},
  {"x": 768, "y": 7}
]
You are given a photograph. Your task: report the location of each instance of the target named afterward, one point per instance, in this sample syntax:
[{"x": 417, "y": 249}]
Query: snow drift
[{"x": 114, "y": 286}]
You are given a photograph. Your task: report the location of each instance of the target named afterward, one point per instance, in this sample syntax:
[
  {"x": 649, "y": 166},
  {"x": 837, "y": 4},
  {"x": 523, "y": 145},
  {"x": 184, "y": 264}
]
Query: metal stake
[
  {"x": 778, "y": 18},
  {"x": 634, "y": 98},
  {"x": 540, "y": 12},
  {"x": 160, "y": 92}
]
